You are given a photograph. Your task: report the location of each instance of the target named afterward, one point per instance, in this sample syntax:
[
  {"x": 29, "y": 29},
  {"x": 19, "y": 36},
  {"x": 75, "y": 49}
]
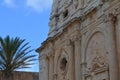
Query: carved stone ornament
[
  {"x": 109, "y": 18},
  {"x": 97, "y": 63},
  {"x": 76, "y": 38},
  {"x": 116, "y": 11}
]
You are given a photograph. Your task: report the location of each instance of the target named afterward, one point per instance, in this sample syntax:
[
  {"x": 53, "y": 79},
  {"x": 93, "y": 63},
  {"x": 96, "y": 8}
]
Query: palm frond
[{"x": 15, "y": 54}]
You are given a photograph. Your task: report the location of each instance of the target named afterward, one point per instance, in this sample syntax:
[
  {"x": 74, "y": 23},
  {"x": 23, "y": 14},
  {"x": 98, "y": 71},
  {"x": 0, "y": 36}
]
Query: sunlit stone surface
[{"x": 83, "y": 41}]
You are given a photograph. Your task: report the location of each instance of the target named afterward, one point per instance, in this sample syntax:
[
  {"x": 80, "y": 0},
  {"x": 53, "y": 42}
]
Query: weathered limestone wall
[
  {"x": 24, "y": 76},
  {"x": 83, "y": 43}
]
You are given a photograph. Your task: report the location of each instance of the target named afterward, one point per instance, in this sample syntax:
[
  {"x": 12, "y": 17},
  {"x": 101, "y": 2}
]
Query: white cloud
[
  {"x": 9, "y": 3},
  {"x": 39, "y": 5},
  {"x": 32, "y": 5}
]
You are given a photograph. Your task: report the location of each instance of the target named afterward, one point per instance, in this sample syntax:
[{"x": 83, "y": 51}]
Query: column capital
[
  {"x": 110, "y": 17},
  {"x": 76, "y": 38},
  {"x": 116, "y": 11},
  {"x": 50, "y": 53},
  {"x": 68, "y": 42},
  {"x": 42, "y": 56}
]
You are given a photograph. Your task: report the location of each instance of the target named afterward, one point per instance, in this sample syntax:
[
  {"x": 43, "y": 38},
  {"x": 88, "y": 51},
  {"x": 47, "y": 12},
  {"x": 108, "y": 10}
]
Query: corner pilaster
[{"x": 110, "y": 20}]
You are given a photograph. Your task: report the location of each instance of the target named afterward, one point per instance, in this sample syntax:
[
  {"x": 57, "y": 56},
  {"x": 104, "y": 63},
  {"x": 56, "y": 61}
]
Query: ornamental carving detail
[
  {"x": 109, "y": 18},
  {"x": 97, "y": 63}
]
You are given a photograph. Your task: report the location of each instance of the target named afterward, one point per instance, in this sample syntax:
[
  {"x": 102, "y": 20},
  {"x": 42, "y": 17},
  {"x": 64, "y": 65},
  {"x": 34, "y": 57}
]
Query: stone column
[
  {"x": 43, "y": 75},
  {"x": 83, "y": 61},
  {"x": 55, "y": 65},
  {"x": 116, "y": 12},
  {"x": 55, "y": 76},
  {"x": 51, "y": 67},
  {"x": 83, "y": 66},
  {"x": 77, "y": 43},
  {"x": 110, "y": 39},
  {"x": 69, "y": 49}
]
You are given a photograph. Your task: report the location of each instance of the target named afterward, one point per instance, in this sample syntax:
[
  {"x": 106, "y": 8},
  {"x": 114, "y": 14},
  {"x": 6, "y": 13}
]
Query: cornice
[
  {"x": 50, "y": 39},
  {"x": 114, "y": 11}
]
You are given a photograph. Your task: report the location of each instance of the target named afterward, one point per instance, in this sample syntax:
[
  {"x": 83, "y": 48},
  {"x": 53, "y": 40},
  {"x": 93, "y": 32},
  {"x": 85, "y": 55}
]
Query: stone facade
[{"x": 83, "y": 41}]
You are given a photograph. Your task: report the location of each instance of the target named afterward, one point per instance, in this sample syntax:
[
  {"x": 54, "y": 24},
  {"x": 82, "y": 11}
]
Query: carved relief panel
[{"x": 97, "y": 66}]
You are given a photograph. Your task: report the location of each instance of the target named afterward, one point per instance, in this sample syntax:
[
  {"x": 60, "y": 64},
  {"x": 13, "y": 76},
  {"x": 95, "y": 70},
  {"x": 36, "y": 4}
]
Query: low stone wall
[{"x": 24, "y": 75}]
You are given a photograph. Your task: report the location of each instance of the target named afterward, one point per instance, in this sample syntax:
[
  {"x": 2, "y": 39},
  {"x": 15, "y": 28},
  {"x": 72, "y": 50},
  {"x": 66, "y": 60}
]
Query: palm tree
[{"x": 14, "y": 55}]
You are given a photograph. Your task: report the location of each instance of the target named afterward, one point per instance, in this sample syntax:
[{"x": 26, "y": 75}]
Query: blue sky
[{"x": 27, "y": 19}]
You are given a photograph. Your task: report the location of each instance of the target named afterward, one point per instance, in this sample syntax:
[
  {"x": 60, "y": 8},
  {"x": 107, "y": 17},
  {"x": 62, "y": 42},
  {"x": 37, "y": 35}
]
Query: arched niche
[
  {"x": 95, "y": 47},
  {"x": 96, "y": 58},
  {"x": 62, "y": 65}
]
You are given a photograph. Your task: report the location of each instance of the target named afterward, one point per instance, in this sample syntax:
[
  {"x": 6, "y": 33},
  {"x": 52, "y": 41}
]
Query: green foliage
[{"x": 14, "y": 54}]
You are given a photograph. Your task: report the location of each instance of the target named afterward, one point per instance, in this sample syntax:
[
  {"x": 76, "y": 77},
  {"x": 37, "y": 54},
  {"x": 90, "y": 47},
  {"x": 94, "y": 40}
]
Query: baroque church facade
[{"x": 83, "y": 41}]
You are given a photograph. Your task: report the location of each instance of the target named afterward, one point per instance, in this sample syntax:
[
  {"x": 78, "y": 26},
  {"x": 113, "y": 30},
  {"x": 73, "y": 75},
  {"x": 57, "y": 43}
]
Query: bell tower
[
  {"x": 53, "y": 18},
  {"x": 62, "y": 11}
]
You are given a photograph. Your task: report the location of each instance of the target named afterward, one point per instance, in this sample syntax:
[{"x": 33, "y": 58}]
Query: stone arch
[
  {"x": 95, "y": 55},
  {"x": 88, "y": 37},
  {"x": 92, "y": 36},
  {"x": 60, "y": 54}
]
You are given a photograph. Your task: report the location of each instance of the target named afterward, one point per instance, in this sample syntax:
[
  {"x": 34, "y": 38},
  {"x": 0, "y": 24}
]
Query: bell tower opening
[{"x": 65, "y": 14}]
